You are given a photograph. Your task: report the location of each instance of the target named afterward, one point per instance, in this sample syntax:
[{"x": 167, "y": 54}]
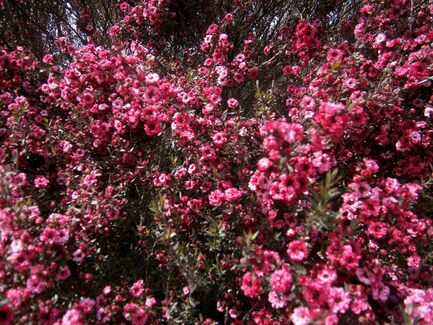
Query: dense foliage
[{"x": 226, "y": 162}]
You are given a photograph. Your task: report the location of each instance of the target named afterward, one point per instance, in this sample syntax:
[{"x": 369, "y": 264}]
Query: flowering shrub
[{"x": 262, "y": 180}]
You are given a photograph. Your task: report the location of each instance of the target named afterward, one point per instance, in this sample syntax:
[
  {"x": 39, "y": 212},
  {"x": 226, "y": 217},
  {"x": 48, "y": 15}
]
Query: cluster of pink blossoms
[{"x": 261, "y": 181}]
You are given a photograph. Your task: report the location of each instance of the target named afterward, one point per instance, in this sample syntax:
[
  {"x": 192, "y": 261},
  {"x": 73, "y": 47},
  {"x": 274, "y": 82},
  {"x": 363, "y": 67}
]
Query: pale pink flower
[{"x": 41, "y": 182}]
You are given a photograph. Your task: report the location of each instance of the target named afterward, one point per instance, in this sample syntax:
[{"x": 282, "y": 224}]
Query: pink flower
[
  {"x": 334, "y": 55},
  {"x": 413, "y": 261},
  {"x": 15, "y": 297},
  {"x": 152, "y": 78},
  {"x": 297, "y": 250},
  {"x": 377, "y": 229},
  {"x": 359, "y": 305},
  {"x": 48, "y": 58},
  {"x": 78, "y": 256},
  {"x": 137, "y": 289},
  {"x": 218, "y": 56},
  {"x": 63, "y": 273},
  {"x": 216, "y": 198},
  {"x": 41, "y": 182},
  {"x": 106, "y": 290},
  {"x": 251, "y": 285},
  {"x": 359, "y": 29},
  {"x": 322, "y": 161},
  {"x": 219, "y": 138},
  {"x": 232, "y": 194},
  {"x": 264, "y": 163},
  {"x": 331, "y": 109},
  {"x": 381, "y": 292},
  {"x": 35, "y": 284},
  {"x": 150, "y": 301},
  {"x": 228, "y": 18},
  {"x": 365, "y": 276},
  {"x": 281, "y": 280},
  {"x": 330, "y": 319},
  {"x": 351, "y": 83},
  {"x": 349, "y": 259},
  {"x": 419, "y": 305},
  {"x": 301, "y": 316},
  {"x": 277, "y": 300},
  {"x": 140, "y": 317},
  {"x": 380, "y": 38},
  {"x": 212, "y": 29},
  {"x": 72, "y": 317},
  {"x": 160, "y": 179},
  {"x": 339, "y": 300},
  {"x": 315, "y": 294},
  {"x": 232, "y": 103},
  {"x": 49, "y": 236},
  {"x": 327, "y": 275},
  {"x": 287, "y": 70}
]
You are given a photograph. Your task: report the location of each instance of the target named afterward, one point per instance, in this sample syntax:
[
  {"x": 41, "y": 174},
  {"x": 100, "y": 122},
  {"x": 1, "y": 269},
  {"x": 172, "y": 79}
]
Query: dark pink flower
[{"x": 297, "y": 250}]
